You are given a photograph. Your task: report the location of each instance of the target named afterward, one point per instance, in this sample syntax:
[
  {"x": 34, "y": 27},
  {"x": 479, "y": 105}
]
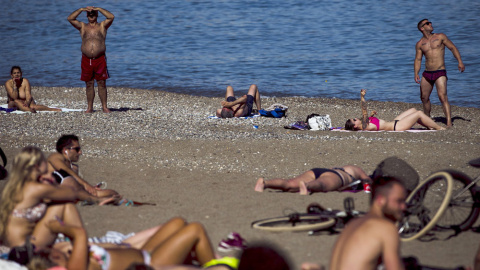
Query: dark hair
[
  {"x": 349, "y": 125},
  {"x": 226, "y": 113},
  {"x": 94, "y": 12},
  {"x": 261, "y": 256},
  {"x": 64, "y": 141},
  {"x": 139, "y": 266},
  {"x": 15, "y": 67},
  {"x": 419, "y": 23},
  {"x": 382, "y": 184}
]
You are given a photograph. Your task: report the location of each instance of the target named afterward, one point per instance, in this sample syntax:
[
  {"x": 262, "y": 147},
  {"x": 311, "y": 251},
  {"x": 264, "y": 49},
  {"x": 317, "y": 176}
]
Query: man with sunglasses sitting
[
  {"x": 433, "y": 47},
  {"x": 65, "y": 171}
]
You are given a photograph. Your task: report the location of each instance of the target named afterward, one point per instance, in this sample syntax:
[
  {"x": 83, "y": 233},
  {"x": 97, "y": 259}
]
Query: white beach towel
[{"x": 5, "y": 107}]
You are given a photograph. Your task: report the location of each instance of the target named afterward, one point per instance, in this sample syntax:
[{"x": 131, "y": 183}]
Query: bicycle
[
  {"x": 315, "y": 219},
  {"x": 447, "y": 199}
]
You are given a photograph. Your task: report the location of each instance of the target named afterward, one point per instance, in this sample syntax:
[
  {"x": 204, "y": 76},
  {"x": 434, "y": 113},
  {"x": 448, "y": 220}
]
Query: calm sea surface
[{"x": 289, "y": 48}]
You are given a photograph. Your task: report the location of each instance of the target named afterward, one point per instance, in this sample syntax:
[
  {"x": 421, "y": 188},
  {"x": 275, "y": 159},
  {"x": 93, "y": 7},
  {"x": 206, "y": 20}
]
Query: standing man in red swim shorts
[
  {"x": 433, "y": 47},
  {"x": 94, "y": 62}
]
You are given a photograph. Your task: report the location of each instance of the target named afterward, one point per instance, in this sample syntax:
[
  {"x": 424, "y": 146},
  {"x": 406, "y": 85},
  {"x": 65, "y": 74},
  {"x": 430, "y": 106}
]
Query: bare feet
[
  {"x": 106, "y": 110},
  {"x": 311, "y": 266},
  {"x": 89, "y": 111},
  {"x": 110, "y": 200},
  {"x": 260, "y": 186},
  {"x": 303, "y": 188}
]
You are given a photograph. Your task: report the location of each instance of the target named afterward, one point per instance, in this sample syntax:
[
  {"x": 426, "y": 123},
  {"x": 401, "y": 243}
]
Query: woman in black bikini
[
  {"x": 315, "y": 180},
  {"x": 404, "y": 121}
]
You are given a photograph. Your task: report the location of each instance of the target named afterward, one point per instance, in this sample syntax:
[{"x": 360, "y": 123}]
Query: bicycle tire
[
  {"x": 463, "y": 210},
  {"x": 424, "y": 214},
  {"x": 301, "y": 222}
]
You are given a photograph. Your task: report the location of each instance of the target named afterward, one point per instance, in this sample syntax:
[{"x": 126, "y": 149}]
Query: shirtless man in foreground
[
  {"x": 94, "y": 62},
  {"x": 19, "y": 93},
  {"x": 65, "y": 171},
  {"x": 315, "y": 180},
  {"x": 232, "y": 107},
  {"x": 373, "y": 239},
  {"x": 433, "y": 47}
]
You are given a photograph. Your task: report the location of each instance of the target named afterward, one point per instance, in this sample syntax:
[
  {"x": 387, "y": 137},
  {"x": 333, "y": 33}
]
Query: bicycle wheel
[
  {"x": 294, "y": 223},
  {"x": 425, "y": 206},
  {"x": 462, "y": 211}
]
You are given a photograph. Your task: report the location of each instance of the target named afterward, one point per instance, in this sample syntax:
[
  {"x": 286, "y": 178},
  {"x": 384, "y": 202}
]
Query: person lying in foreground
[
  {"x": 19, "y": 93},
  {"x": 404, "y": 121},
  {"x": 315, "y": 180},
  {"x": 171, "y": 244},
  {"x": 232, "y": 107}
]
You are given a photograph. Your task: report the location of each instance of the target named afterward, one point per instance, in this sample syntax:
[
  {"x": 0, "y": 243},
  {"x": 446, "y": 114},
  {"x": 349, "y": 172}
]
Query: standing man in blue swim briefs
[
  {"x": 433, "y": 47},
  {"x": 243, "y": 106},
  {"x": 94, "y": 62}
]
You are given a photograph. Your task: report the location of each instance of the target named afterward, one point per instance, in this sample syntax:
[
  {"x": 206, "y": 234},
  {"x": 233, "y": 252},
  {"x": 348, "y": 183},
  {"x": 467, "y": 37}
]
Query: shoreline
[{"x": 161, "y": 147}]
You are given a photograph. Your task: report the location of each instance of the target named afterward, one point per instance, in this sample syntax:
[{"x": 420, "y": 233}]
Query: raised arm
[
  {"x": 456, "y": 53},
  {"x": 72, "y": 18},
  {"x": 108, "y": 15},
  {"x": 78, "y": 259},
  {"x": 363, "y": 104},
  {"x": 11, "y": 92},
  {"x": 240, "y": 100}
]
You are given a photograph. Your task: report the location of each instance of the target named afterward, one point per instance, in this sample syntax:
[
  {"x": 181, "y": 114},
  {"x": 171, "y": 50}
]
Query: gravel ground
[{"x": 161, "y": 147}]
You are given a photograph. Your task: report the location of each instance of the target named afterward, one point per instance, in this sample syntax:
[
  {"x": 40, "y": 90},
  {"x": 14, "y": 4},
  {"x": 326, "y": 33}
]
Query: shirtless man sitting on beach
[
  {"x": 19, "y": 93},
  {"x": 65, "y": 171},
  {"x": 372, "y": 239},
  {"x": 316, "y": 180},
  {"x": 232, "y": 107}
]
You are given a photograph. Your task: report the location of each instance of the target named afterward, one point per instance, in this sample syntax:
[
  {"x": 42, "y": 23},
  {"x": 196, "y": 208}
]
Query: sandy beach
[{"x": 162, "y": 148}]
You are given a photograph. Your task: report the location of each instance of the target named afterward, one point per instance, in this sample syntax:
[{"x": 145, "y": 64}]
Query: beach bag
[
  {"x": 319, "y": 122},
  {"x": 277, "y": 110},
  {"x": 299, "y": 125}
]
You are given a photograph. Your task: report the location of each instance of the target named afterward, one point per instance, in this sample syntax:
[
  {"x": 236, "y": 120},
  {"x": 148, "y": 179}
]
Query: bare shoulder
[{"x": 55, "y": 157}]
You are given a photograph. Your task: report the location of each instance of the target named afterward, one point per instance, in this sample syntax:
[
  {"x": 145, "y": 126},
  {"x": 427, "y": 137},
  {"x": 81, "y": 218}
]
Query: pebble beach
[{"x": 162, "y": 147}]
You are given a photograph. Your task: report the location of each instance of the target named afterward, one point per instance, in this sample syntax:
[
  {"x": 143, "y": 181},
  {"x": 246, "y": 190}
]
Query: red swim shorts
[{"x": 94, "y": 68}]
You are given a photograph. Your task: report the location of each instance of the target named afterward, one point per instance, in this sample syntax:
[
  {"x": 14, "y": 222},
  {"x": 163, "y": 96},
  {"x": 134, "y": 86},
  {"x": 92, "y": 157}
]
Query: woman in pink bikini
[{"x": 404, "y": 121}]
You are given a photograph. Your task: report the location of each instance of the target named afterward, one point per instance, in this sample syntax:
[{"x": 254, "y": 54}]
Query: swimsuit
[
  {"x": 94, "y": 68},
  {"x": 102, "y": 256},
  {"x": 319, "y": 171},
  {"x": 32, "y": 214},
  {"x": 60, "y": 175},
  {"x": 395, "y": 125},
  {"x": 375, "y": 121},
  {"x": 432, "y": 76},
  {"x": 248, "y": 105}
]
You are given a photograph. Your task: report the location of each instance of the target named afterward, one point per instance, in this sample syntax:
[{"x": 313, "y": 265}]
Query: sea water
[{"x": 288, "y": 48}]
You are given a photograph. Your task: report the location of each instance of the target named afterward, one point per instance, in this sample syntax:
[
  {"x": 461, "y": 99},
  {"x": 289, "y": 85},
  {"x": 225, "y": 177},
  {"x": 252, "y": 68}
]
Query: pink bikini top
[
  {"x": 32, "y": 214},
  {"x": 375, "y": 121}
]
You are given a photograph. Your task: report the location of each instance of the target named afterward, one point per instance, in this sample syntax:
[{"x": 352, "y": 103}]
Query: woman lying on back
[{"x": 404, "y": 121}]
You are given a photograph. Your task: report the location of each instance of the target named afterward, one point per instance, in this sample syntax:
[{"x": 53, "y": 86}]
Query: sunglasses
[
  {"x": 76, "y": 148},
  {"x": 427, "y": 23}
]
